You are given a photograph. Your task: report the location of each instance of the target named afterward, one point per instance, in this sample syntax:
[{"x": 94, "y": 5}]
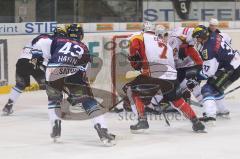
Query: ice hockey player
[
  {"x": 155, "y": 60},
  {"x": 25, "y": 69},
  {"x": 213, "y": 28},
  {"x": 187, "y": 60},
  {"x": 65, "y": 71},
  {"x": 220, "y": 67}
]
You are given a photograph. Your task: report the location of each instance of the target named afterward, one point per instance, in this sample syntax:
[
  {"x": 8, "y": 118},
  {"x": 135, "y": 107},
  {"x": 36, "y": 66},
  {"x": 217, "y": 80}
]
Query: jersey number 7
[{"x": 163, "y": 55}]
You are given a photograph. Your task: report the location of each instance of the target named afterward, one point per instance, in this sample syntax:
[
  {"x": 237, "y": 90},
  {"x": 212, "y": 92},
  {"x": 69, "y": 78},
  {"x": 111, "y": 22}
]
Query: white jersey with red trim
[
  {"x": 160, "y": 58},
  {"x": 177, "y": 38}
]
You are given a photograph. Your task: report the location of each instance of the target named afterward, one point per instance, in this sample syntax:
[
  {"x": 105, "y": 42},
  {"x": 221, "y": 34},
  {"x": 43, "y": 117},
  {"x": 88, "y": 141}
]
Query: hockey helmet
[
  {"x": 75, "y": 31},
  {"x": 160, "y": 31},
  {"x": 200, "y": 32},
  {"x": 148, "y": 26},
  {"x": 60, "y": 31},
  {"x": 213, "y": 21}
]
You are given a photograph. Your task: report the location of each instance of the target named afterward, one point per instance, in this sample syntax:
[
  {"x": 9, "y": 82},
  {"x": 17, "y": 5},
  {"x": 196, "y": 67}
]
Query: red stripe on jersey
[{"x": 185, "y": 31}]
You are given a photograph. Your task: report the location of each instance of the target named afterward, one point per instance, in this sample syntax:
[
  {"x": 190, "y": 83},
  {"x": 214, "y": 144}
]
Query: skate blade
[
  {"x": 56, "y": 139},
  {"x": 141, "y": 131},
  {"x": 201, "y": 131},
  {"x": 210, "y": 123},
  {"x": 223, "y": 117},
  {"x": 6, "y": 113},
  {"x": 108, "y": 143}
]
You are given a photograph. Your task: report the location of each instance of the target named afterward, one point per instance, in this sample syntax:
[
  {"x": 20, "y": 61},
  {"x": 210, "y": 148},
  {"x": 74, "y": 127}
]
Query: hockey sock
[
  {"x": 221, "y": 105},
  {"x": 210, "y": 107},
  {"x": 15, "y": 93},
  {"x": 185, "y": 108},
  {"x": 140, "y": 105},
  {"x": 52, "y": 113},
  {"x": 134, "y": 110},
  {"x": 100, "y": 120}
]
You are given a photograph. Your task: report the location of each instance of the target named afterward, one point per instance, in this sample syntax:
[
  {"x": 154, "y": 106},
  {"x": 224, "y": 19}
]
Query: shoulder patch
[{"x": 139, "y": 37}]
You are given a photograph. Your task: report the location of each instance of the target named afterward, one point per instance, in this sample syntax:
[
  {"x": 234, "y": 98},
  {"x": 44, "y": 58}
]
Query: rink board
[{"x": 100, "y": 45}]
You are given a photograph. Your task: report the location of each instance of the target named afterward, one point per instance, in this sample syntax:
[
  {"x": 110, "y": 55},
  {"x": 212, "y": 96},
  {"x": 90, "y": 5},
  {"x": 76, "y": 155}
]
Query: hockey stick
[{"x": 232, "y": 90}]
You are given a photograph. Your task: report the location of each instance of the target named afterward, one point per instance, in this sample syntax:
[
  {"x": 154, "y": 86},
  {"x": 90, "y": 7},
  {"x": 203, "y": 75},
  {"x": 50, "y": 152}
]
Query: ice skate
[
  {"x": 107, "y": 139},
  {"x": 56, "y": 130},
  {"x": 140, "y": 127},
  {"x": 7, "y": 110},
  {"x": 209, "y": 120},
  {"x": 198, "y": 126}
]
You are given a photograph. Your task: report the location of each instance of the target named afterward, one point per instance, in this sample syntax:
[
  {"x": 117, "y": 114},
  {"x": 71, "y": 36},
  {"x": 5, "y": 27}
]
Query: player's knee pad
[{"x": 54, "y": 95}]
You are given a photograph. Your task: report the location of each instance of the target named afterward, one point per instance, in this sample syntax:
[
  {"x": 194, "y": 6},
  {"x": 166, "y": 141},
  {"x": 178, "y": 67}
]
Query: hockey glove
[
  {"x": 191, "y": 83},
  {"x": 37, "y": 58}
]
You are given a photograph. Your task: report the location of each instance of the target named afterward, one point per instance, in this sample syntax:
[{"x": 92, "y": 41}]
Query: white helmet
[
  {"x": 213, "y": 21},
  {"x": 160, "y": 30},
  {"x": 148, "y": 26}
]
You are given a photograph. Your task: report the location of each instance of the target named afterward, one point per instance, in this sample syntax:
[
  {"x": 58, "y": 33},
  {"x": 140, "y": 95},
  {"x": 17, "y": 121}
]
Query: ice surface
[{"x": 25, "y": 135}]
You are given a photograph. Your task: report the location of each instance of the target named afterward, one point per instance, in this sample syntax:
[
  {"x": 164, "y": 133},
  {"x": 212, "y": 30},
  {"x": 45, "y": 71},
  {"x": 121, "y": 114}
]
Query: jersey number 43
[{"x": 72, "y": 49}]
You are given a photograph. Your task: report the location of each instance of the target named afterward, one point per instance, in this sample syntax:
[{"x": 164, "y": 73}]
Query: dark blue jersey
[
  {"x": 216, "y": 47},
  {"x": 217, "y": 54},
  {"x": 65, "y": 51}
]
